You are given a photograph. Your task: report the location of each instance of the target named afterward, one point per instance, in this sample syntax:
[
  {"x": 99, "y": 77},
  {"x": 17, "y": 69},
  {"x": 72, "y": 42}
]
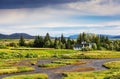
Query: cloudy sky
[{"x": 60, "y": 16}]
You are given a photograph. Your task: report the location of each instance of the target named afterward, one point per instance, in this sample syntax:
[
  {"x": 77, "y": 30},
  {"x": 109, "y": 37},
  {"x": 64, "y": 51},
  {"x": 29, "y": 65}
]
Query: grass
[
  {"x": 59, "y": 63},
  {"x": 56, "y": 53},
  {"x": 14, "y": 66},
  {"x": 28, "y": 76},
  {"x": 113, "y": 65},
  {"x": 69, "y": 62},
  {"x": 76, "y": 70},
  {"x": 112, "y": 73},
  {"x": 92, "y": 55},
  {"x": 7, "y": 70},
  {"x": 50, "y": 65},
  {"x": 106, "y": 74},
  {"x": 32, "y": 53}
]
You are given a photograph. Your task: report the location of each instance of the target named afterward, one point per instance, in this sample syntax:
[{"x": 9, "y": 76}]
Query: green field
[
  {"x": 56, "y": 53},
  {"x": 39, "y": 53}
]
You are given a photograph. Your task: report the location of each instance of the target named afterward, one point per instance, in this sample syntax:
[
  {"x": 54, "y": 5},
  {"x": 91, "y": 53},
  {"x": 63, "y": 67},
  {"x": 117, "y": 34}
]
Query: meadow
[{"x": 56, "y": 53}]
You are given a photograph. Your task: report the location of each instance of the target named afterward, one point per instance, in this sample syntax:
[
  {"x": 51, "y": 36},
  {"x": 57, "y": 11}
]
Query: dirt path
[{"x": 95, "y": 63}]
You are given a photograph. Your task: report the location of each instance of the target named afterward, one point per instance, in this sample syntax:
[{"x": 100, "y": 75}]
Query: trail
[{"x": 95, "y": 63}]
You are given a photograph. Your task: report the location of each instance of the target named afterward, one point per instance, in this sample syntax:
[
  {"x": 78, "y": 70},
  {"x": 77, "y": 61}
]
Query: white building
[{"x": 82, "y": 45}]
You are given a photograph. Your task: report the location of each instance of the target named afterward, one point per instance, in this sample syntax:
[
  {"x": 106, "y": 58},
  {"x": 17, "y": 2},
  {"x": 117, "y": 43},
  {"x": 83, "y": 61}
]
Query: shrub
[
  {"x": 31, "y": 55},
  {"x": 86, "y": 48},
  {"x": 4, "y": 55},
  {"x": 3, "y": 46},
  {"x": 17, "y": 55}
]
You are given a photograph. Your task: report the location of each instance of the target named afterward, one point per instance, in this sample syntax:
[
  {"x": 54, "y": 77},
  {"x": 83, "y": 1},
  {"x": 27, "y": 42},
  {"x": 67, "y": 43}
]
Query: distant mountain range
[
  {"x": 109, "y": 36},
  {"x": 27, "y": 36},
  {"x": 16, "y": 36}
]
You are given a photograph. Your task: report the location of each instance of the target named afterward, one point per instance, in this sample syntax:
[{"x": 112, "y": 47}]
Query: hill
[
  {"x": 16, "y": 36},
  {"x": 109, "y": 36}
]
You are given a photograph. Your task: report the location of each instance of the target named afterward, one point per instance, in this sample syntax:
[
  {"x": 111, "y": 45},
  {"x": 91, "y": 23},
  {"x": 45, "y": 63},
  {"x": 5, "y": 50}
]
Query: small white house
[{"x": 82, "y": 45}]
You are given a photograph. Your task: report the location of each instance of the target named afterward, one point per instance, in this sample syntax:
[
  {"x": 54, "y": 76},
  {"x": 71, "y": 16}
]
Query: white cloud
[
  {"x": 33, "y": 21},
  {"x": 96, "y": 7}
]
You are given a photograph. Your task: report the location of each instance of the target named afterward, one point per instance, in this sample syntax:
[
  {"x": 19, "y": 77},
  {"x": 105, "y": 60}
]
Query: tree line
[
  {"x": 99, "y": 42},
  {"x": 47, "y": 42}
]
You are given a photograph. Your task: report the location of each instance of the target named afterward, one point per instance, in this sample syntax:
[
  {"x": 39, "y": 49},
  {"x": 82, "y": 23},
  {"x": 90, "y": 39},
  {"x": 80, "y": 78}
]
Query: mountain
[
  {"x": 73, "y": 36},
  {"x": 16, "y": 36},
  {"x": 109, "y": 36},
  {"x": 27, "y": 36},
  {"x": 117, "y": 36},
  {"x": 3, "y": 36}
]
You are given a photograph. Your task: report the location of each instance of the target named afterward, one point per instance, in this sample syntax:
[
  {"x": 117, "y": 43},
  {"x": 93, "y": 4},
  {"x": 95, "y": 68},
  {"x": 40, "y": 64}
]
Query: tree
[
  {"x": 84, "y": 37},
  {"x": 22, "y": 41},
  {"x": 79, "y": 39},
  {"x": 94, "y": 46},
  {"x": 68, "y": 44},
  {"x": 56, "y": 43},
  {"x": 47, "y": 41},
  {"x": 38, "y": 42},
  {"x": 63, "y": 40}
]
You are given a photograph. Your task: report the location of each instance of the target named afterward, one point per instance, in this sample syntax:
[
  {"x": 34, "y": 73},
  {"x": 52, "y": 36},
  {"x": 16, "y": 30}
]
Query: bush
[
  {"x": 3, "y": 46},
  {"x": 86, "y": 49},
  {"x": 31, "y": 55},
  {"x": 4, "y": 55},
  {"x": 17, "y": 55},
  {"x": 12, "y": 44}
]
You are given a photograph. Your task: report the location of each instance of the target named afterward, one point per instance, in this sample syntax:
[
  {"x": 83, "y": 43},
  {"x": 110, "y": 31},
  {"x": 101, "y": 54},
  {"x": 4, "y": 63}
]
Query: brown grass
[{"x": 76, "y": 70}]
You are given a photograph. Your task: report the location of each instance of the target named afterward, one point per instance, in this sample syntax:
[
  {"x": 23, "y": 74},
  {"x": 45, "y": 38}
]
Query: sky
[{"x": 68, "y": 17}]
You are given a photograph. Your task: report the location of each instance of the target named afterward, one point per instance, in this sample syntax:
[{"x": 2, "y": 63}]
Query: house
[{"x": 82, "y": 45}]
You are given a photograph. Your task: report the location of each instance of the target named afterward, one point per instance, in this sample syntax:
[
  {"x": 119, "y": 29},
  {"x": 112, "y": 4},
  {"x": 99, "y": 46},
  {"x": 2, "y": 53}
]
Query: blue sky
[{"x": 60, "y": 16}]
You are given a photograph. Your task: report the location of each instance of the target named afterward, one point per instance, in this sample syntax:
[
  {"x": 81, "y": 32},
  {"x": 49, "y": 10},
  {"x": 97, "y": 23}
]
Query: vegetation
[
  {"x": 113, "y": 65},
  {"x": 33, "y": 53},
  {"x": 76, "y": 70},
  {"x": 69, "y": 62},
  {"x": 112, "y": 73},
  {"x": 43, "y": 47},
  {"x": 13, "y": 66},
  {"x": 92, "y": 54},
  {"x": 22, "y": 41},
  {"x": 28, "y": 76},
  {"x": 50, "y": 65},
  {"x": 99, "y": 42},
  {"x": 38, "y": 42},
  {"x": 106, "y": 74},
  {"x": 59, "y": 63},
  {"x": 7, "y": 70}
]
